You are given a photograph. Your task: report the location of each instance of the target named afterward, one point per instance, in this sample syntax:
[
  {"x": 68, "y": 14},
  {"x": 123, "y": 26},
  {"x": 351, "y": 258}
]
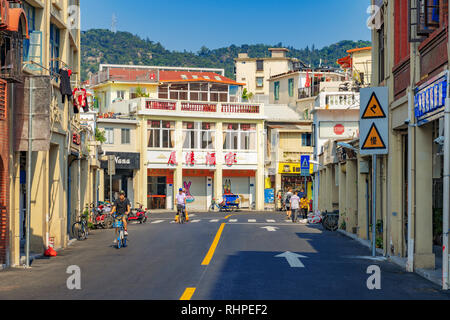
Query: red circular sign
[{"x": 339, "y": 129}]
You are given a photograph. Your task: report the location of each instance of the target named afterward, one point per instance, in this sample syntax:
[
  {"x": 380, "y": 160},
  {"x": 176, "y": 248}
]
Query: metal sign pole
[{"x": 374, "y": 203}]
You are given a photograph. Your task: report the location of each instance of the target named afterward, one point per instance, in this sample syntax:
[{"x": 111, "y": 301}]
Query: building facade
[
  {"x": 192, "y": 133},
  {"x": 60, "y": 160},
  {"x": 256, "y": 72}
]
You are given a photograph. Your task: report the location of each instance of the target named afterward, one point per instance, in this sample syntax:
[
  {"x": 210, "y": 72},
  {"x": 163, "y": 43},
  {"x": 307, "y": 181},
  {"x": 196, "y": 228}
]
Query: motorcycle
[
  {"x": 102, "y": 217},
  {"x": 139, "y": 214}
]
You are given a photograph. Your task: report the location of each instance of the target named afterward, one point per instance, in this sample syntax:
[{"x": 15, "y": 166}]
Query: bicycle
[
  {"x": 330, "y": 221},
  {"x": 181, "y": 215},
  {"x": 80, "y": 228},
  {"x": 213, "y": 206},
  {"x": 122, "y": 238}
]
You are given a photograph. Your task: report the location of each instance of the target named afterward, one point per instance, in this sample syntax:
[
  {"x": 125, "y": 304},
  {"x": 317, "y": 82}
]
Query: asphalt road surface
[{"x": 247, "y": 256}]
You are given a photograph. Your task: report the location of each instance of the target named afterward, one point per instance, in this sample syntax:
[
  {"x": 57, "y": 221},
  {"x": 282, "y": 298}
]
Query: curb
[{"x": 401, "y": 262}]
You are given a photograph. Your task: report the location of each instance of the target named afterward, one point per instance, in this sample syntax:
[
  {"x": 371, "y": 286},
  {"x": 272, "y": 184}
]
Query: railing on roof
[
  {"x": 202, "y": 107},
  {"x": 125, "y": 75},
  {"x": 338, "y": 100}
]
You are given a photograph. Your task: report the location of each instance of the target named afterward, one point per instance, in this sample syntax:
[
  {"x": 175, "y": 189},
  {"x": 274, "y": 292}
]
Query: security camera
[
  {"x": 440, "y": 141},
  {"x": 407, "y": 122}
]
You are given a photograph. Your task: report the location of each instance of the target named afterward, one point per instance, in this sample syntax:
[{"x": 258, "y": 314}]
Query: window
[
  {"x": 259, "y": 82},
  {"x": 276, "y": 90},
  {"x": 259, "y": 65},
  {"x": 109, "y": 135},
  {"x": 306, "y": 140},
  {"x": 381, "y": 54},
  {"x": 199, "y": 135},
  {"x": 121, "y": 95},
  {"x": 161, "y": 134},
  {"x": 163, "y": 92},
  {"x": 126, "y": 139},
  {"x": 291, "y": 87},
  {"x": 30, "y": 12},
  {"x": 239, "y": 136},
  {"x": 54, "y": 48}
]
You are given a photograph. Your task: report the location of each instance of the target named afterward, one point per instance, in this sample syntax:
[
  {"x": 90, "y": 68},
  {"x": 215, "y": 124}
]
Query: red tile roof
[{"x": 184, "y": 76}]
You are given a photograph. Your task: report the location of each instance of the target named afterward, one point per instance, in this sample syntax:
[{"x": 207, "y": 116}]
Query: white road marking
[
  {"x": 251, "y": 220},
  {"x": 233, "y": 220},
  {"x": 293, "y": 259},
  {"x": 158, "y": 221},
  {"x": 270, "y": 229},
  {"x": 195, "y": 221},
  {"x": 270, "y": 221},
  {"x": 215, "y": 220}
]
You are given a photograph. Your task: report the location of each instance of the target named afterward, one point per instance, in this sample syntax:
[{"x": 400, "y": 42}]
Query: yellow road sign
[
  {"x": 373, "y": 140},
  {"x": 373, "y": 109}
]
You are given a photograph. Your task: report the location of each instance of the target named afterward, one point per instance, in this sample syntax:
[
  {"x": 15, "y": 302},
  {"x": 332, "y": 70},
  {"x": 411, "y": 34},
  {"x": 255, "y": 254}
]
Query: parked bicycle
[
  {"x": 214, "y": 205},
  {"x": 80, "y": 228},
  {"x": 330, "y": 221}
]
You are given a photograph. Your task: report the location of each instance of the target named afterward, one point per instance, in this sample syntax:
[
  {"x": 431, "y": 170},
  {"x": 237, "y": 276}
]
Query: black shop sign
[{"x": 124, "y": 161}]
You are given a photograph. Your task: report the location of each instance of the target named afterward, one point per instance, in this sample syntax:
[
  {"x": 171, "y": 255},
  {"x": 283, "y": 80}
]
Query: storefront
[
  {"x": 159, "y": 188},
  {"x": 127, "y": 166},
  {"x": 291, "y": 178},
  {"x": 429, "y": 111}
]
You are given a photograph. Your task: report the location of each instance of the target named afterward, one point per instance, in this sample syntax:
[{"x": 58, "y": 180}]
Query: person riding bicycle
[
  {"x": 181, "y": 202},
  {"x": 123, "y": 207}
]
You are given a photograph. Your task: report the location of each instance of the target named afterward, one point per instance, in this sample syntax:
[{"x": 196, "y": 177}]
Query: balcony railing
[
  {"x": 160, "y": 105},
  {"x": 219, "y": 108},
  {"x": 337, "y": 100},
  {"x": 240, "y": 108},
  {"x": 199, "y": 107},
  {"x": 125, "y": 75},
  {"x": 11, "y": 58}
]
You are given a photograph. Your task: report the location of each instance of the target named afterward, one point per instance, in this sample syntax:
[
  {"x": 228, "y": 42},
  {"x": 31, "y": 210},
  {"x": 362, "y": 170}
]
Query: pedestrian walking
[
  {"x": 304, "y": 207},
  {"x": 287, "y": 202},
  {"x": 295, "y": 206}
]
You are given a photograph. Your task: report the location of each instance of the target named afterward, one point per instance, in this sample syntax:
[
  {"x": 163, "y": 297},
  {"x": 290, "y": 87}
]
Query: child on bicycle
[{"x": 123, "y": 207}]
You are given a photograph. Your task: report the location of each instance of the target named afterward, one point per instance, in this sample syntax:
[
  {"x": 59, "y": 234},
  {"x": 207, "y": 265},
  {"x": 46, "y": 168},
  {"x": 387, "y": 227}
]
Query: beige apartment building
[
  {"x": 61, "y": 159},
  {"x": 410, "y": 58},
  {"x": 256, "y": 72}
]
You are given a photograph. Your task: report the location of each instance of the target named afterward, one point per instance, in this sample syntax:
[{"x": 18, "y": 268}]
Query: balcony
[
  {"x": 337, "y": 100},
  {"x": 141, "y": 75},
  {"x": 146, "y": 106},
  {"x": 11, "y": 57}
]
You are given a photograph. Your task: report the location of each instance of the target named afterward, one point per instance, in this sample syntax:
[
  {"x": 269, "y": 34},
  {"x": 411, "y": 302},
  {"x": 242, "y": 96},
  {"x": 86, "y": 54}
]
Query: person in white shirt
[
  {"x": 181, "y": 202},
  {"x": 295, "y": 207}
]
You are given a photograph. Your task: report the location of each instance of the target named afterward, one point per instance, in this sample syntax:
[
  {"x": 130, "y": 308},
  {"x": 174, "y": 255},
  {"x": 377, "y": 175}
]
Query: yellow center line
[
  {"x": 188, "y": 293},
  {"x": 213, "y": 247}
]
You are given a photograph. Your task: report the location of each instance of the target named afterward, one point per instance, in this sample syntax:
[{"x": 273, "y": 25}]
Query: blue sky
[{"x": 189, "y": 25}]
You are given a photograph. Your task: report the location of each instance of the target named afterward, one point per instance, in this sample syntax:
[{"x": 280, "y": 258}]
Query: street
[{"x": 244, "y": 256}]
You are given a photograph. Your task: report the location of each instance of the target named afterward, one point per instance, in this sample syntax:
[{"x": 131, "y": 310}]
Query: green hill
[{"x": 103, "y": 46}]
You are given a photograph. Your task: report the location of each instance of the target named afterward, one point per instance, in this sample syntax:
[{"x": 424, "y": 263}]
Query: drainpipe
[
  {"x": 446, "y": 203},
  {"x": 29, "y": 159},
  {"x": 410, "y": 262}
]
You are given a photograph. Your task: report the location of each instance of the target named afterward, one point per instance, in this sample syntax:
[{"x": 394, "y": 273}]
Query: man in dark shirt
[{"x": 122, "y": 206}]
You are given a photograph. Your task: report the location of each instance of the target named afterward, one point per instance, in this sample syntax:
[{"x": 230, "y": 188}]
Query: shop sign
[
  {"x": 429, "y": 99},
  {"x": 230, "y": 159},
  {"x": 289, "y": 168},
  {"x": 173, "y": 159},
  {"x": 211, "y": 159},
  {"x": 190, "y": 158},
  {"x": 124, "y": 161}
]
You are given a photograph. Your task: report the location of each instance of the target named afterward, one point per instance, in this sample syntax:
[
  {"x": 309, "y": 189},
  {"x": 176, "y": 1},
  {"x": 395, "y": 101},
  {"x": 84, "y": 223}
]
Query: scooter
[
  {"x": 139, "y": 214},
  {"x": 102, "y": 217}
]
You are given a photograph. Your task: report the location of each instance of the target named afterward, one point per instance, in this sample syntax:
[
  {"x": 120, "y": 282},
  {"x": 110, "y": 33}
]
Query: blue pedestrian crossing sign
[{"x": 305, "y": 163}]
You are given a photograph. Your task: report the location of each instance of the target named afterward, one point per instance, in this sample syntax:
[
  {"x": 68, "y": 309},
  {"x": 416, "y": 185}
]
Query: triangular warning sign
[
  {"x": 373, "y": 109},
  {"x": 374, "y": 140},
  {"x": 305, "y": 163}
]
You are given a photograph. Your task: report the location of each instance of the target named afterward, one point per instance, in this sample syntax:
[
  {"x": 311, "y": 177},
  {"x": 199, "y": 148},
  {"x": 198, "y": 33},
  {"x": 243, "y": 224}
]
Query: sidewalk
[{"x": 434, "y": 276}]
